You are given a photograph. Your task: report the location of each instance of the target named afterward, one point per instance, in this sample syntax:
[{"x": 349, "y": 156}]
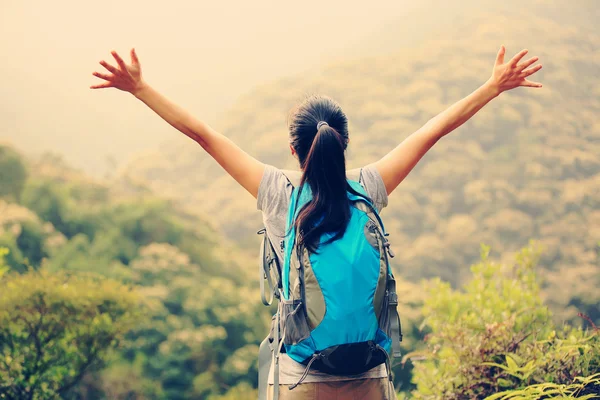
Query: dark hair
[{"x": 322, "y": 158}]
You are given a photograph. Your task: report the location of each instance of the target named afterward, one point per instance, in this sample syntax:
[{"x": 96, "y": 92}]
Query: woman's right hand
[{"x": 127, "y": 77}]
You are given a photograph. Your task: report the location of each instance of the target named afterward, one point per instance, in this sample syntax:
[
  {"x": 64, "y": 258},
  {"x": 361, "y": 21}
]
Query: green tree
[
  {"x": 13, "y": 173},
  {"x": 50, "y": 202},
  {"x": 55, "y": 327},
  {"x": 202, "y": 335},
  {"x": 24, "y": 234},
  {"x": 13, "y": 258},
  {"x": 3, "y": 267}
]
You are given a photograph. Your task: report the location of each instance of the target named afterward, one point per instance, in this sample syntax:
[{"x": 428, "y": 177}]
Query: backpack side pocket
[
  {"x": 384, "y": 317},
  {"x": 294, "y": 322}
]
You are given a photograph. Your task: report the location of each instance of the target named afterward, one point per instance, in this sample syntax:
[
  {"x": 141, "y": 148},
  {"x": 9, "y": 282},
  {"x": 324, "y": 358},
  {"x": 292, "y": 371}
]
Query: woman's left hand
[{"x": 506, "y": 76}]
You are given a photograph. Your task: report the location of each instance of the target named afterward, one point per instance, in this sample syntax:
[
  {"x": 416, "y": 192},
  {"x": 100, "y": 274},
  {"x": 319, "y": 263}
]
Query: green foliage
[
  {"x": 52, "y": 202},
  {"x": 202, "y": 333},
  {"x": 14, "y": 259},
  {"x": 150, "y": 219},
  {"x": 197, "y": 340},
  {"x": 574, "y": 289},
  {"x": 48, "y": 202},
  {"x": 13, "y": 173},
  {"x": 582, "y": 388},
  {"x": 496, "y": 335},
  {"x": 31, "y": 242},
  {"x": 23, "y": 233},
  {"x": 85, "y": 227},
  {"x": 242, "y": 391},
  {"x": 3, "y": 267},
  {"x": 79, "y": 254},
  {"x": 54, "y": 327}
]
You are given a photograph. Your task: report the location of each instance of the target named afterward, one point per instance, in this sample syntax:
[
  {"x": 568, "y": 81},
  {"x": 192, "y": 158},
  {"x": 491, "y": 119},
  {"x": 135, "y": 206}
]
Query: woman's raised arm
[
  {"x": 397, "y": 164},
  {"x": 244, "y": 168}
]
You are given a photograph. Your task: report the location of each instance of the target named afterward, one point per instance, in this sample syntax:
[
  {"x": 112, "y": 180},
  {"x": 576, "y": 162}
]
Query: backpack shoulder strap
[
  {"x": 293, "y": 177},
  {"x": 268, "y": 261},
  {"x": 269, "y": 351}
]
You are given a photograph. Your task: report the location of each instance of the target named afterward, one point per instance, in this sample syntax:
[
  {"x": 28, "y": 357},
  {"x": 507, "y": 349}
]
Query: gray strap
[
  {"x": 396, "y": 329},
  {"x": 388, "y": 367},
  {"x": 293, "y": 177},
  {"x": 277, "y": 343},
  {"x": 307, "y": 369},
  {"x": 268, "y": 265},
  {"x": 276, "y": 359},
  {"x": 264, "y": 270},
  {"x": 264, "y": 365}
]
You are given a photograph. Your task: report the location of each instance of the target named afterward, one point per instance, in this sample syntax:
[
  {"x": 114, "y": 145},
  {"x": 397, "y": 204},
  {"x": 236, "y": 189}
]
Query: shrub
[{"x": 495, "y": 335}]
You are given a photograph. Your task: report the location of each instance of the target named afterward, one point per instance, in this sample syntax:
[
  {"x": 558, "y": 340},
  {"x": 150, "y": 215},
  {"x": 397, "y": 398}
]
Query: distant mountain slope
[{"x": 526, "y": 166}]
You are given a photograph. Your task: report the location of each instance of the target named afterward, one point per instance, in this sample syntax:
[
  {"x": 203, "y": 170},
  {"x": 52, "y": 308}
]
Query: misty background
[{"x": 202, "y": 55}]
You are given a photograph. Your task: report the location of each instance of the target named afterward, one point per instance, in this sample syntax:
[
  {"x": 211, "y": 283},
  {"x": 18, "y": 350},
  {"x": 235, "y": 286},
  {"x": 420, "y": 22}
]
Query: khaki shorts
[{"x": 359, "y": 389}]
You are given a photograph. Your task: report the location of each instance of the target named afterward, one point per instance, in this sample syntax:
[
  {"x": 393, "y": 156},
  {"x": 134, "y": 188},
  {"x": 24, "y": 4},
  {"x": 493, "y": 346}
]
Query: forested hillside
[
  {"x": 198, "y": 318},
  {"x": 525, "y": 167}
]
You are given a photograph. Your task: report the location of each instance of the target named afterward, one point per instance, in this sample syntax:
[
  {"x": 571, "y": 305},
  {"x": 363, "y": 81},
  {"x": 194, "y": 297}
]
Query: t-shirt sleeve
[
  {"x": 272, "y": 194},
  {"x": 373, "y": 183}
]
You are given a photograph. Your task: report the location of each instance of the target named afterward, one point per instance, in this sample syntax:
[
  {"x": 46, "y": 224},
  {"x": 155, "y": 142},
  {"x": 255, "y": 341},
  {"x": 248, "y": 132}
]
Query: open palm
[
  {"x": 506, "y": 76},
  {"x": 126, "y": 77}
]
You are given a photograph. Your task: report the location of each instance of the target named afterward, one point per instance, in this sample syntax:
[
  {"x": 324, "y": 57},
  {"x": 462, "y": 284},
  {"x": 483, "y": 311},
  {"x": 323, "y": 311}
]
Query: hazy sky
[{"x": 201, "y": 54}]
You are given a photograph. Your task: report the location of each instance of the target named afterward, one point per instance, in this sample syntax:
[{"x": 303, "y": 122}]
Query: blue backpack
[{"x": 337, "y": 309}]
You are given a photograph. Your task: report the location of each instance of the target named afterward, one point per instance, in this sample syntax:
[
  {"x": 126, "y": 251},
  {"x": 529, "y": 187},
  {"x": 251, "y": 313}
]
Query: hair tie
[{"x": 320, "y": 124}]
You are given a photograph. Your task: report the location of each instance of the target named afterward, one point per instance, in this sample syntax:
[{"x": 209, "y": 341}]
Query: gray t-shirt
[{"x": 274, "y": 193}]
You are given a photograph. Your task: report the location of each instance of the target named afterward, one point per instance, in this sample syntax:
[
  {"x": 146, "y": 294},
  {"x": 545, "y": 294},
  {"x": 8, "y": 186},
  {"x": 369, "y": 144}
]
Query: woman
[{"x": 318, "y": 139}]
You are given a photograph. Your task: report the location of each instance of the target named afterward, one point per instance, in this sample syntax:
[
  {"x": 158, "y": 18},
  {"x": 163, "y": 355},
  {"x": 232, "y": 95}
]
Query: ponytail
[
  {"x": 325, "y": 171},
  {"x": 323, "y": 161}
]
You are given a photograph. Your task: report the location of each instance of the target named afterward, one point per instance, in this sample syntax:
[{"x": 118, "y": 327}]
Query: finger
[
  {"x": 527, "y": 63},
  {"x": 530, "y": 83},
  {"x": 513, "y": 62},
  {"x": 102, "y": 85},
  {"x": 103, "y": 76},
  {"x": 119, "y": 60},
  {"x": 109, "y": 67},
  {"x": 500, "y": 55},
  {"x": 134, "y": 58},
  {"x": 529, "y": 71}
]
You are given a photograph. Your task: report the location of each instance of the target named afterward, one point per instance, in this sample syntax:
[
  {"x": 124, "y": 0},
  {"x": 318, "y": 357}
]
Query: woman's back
[{"x": 273, "y": 200}]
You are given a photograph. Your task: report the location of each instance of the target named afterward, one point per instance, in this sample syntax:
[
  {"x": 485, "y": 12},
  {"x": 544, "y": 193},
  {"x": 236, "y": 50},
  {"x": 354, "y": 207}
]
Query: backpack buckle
[
  {"x": 393, "y": 299},
  {"x": 389, "y": 249}
]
